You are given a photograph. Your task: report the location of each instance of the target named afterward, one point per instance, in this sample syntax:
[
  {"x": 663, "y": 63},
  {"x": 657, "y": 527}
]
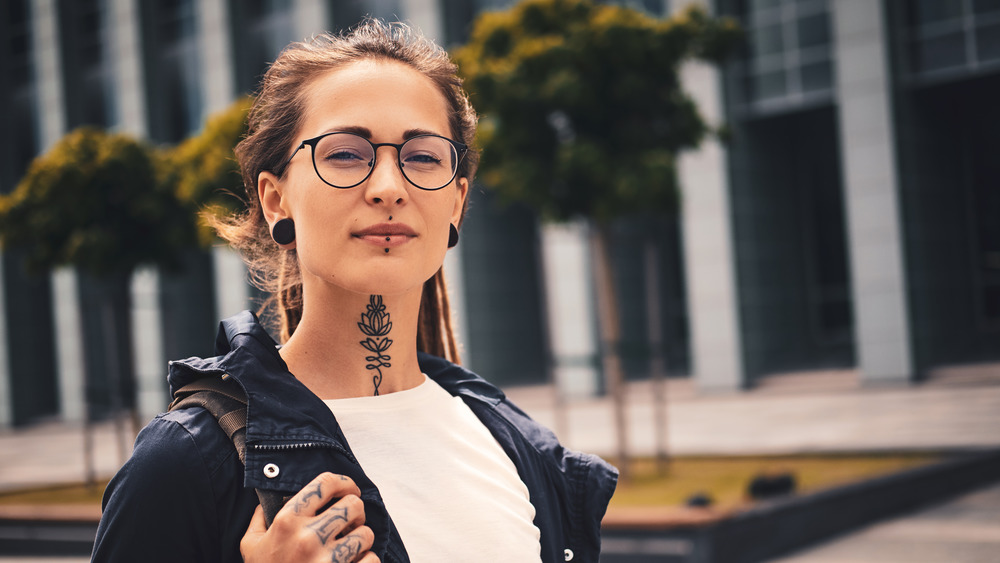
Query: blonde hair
[{"x": 275, "y": 119}]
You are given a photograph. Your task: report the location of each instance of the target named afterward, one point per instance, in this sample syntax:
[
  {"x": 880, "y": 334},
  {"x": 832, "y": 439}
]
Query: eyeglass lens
[{"x": 345, "y": 159}]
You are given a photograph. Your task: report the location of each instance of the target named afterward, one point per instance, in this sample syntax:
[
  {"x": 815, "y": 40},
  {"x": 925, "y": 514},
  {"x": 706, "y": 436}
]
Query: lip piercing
[
  {"x": 390, "y": 217},
  {"x": 387, "y": 239},
  {"x": 387, "y": 251}
]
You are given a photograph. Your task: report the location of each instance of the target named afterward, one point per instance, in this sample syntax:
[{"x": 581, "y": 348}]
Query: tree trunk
[
  {"x": 561, "y": 426},
  {"x": 110, "y": 379},
  {"x": 657, "y": 361},
  {"x": 610, "y": 334}
]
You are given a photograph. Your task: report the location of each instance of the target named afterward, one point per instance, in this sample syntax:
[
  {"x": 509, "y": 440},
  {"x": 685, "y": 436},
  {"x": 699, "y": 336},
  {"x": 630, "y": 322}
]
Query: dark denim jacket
[{"x": 184, "y": 496}]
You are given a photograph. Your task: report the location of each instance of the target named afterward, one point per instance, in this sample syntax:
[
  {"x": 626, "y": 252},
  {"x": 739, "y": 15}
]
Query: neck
[{"x": 353, "y": 345}]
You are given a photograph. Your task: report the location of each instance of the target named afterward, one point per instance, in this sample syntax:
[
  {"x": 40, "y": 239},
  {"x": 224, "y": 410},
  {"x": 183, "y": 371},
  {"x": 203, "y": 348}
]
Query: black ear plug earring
[
  {"x": 283, "y": 231},
  {"x": 452, "y": 236}
]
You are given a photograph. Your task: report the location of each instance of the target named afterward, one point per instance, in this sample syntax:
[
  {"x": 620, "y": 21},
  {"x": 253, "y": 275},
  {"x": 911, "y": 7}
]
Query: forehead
[{"x": 386, "y": 97}]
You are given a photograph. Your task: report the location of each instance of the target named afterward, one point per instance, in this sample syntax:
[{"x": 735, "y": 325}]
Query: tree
[
  {"x": 94, "y": 202},
  {"x": 203, "y": 171},
  {"x": 584, "y": 115}
]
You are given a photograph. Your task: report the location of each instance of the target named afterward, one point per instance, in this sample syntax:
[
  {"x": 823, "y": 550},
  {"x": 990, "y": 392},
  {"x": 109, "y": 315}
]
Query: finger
[
  {"x": 369, "y": 557},
  {"x": 318, "y": 493},
  {"x": 255, "y": 532},
  {"x": 346, "y": 515},
  {"x": 353, "y": 546}
]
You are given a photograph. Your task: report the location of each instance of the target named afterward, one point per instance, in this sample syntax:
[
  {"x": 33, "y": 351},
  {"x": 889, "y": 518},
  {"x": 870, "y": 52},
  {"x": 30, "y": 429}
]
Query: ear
[
  {"x": 272, "y": 202},
  {"x": 460, "y": 195}
]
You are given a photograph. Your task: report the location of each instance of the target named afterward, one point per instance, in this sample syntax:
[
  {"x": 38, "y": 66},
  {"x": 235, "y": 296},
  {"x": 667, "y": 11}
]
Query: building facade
[{"x": 850, "y": 218}]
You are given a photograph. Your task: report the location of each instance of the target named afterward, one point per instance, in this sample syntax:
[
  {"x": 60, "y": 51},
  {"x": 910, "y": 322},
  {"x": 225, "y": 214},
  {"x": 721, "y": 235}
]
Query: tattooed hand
[{"x": 301, "y": 532}]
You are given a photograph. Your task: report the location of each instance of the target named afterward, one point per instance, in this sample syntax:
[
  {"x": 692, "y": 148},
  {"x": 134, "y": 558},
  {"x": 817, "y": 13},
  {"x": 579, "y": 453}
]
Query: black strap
[{"x": 227, "y": 402}]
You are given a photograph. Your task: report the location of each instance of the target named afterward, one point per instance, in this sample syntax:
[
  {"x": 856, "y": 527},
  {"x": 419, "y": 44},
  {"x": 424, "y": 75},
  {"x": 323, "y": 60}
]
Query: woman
[{"x": 357, "y": 166}]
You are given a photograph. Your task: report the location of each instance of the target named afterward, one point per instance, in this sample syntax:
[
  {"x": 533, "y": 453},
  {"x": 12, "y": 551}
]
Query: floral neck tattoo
[{"x": 376, "y": 326}]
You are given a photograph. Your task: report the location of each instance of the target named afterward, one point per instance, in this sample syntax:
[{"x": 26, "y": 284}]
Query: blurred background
[
  {"x": 838, "y": 242},
  {"x": 848, "y": 223}
]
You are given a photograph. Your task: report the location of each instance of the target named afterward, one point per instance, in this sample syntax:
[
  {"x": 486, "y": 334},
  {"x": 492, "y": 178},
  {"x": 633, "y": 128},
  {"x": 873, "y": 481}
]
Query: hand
[{"x": 299, "y": 533}]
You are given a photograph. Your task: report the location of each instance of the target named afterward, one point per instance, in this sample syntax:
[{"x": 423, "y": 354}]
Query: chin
[{"x": 388, "y": 278}]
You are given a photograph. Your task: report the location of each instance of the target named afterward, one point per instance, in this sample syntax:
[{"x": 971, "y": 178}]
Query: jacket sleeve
[{"x": 165, "y": 502}]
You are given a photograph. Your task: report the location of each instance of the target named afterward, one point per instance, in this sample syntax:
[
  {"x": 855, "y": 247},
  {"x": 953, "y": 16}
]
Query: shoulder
[
  {"x": 570, "y": 489},
  {"x": 189, "y": 438},
  {"x": 185, "y": 454},
  {"x": 180, "y": 495}
]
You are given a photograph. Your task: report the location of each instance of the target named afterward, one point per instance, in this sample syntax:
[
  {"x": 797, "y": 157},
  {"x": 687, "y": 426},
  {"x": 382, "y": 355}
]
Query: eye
[
  {"x": 342, "y": 155},
  {"x": 422, "y": 157},
  {"x": 343, "y": 150}
]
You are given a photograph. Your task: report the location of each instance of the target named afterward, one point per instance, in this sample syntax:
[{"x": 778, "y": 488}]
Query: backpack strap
[{"x": 227, "y": 402}]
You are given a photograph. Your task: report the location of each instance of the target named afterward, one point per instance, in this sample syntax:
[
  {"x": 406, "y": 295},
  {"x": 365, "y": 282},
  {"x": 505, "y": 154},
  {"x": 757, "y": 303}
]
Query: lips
[{"x": 386, "y": 235}]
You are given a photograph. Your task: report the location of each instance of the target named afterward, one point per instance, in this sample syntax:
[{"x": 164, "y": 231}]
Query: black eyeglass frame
[{"x": 460, "y": 148}]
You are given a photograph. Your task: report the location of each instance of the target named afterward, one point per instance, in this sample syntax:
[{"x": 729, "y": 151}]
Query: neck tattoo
[{"x": 375, "y": 326}]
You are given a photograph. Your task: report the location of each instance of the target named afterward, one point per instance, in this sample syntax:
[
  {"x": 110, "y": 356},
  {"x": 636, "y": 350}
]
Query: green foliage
[
  {"x": 94, "y": 201},
  {"x": 203, "y": 171},
  {"x": 583, "y": 111}
]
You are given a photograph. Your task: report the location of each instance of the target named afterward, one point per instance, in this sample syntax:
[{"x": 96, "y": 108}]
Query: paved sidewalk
[
  {"x": 963, "y": 530},
  {"x": 790, "y": 414},
  {"x": 795, "y": 414},
  {"x": 53, "y": 454}
]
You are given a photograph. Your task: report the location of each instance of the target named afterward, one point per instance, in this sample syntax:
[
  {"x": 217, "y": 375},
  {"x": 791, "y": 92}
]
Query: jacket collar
[{"x": 282, "y": 410}]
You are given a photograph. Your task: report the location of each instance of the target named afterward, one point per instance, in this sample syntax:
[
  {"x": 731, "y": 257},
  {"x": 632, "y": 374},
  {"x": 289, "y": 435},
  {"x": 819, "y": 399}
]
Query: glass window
[
  {"x": 87, "y": 66},
  {"x": 940, "y": 52},
  {"x": 933, "y": 11},
  {"x": 814, "y": 30},
  {"x": 265, "y": 27},
  {"x": 347, "y": 13},
  {"x": 988, "y": 43},
  {"x": 787, "y": 38},
  {"x": 982, "y": 7},
  {"x": 759, "y": 5},
  {"x": 175, "y": 103},
  {"x": 18, "y": 45},
  {"x": 817, "y": 76},
  {"x": 767, "y": 40},
  {"x": 769, "y": 85}
]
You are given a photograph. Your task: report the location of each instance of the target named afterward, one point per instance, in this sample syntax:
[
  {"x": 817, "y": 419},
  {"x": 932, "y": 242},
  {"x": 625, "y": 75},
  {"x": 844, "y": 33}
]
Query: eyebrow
[
  {"x": 367, "y": 133},
  {"x": 411, "y": 133}
]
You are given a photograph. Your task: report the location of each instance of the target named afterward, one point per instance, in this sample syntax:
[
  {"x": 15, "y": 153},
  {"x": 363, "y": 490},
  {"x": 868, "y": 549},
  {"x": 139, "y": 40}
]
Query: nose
[{"x": 386, "y": 183}]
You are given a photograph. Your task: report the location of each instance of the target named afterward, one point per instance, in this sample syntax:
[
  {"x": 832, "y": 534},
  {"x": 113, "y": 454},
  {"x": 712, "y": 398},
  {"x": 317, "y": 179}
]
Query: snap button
[
  {"x": 568, "y": 554},
  {"x": 271, "y": 471}
]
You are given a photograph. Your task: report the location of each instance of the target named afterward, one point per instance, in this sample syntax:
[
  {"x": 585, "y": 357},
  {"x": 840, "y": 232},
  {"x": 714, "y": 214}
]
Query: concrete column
[
  {"x": 70, "y": 366},
  {"x": 710, "y": 260},
  {"x": 570, "y": 307},
  {"x": 219, "y": 90},
  {"x": 455, "y": 278},
  {"x": 146, "y": 318},
  {"x": 231, "y": 287},
  {"x": 425, "y": 15},
  {"x": 147, "y": 344},
  {"x": 52, "y": 125},
  {"x": 217, "y": 81},
  {"x": 311, "y": 17},
  {"x": 47, "y": 61},
  {"x": 6, "y": 406},
  {"x": 126, "y": 26},
  {"x": 871, "y": 192}
]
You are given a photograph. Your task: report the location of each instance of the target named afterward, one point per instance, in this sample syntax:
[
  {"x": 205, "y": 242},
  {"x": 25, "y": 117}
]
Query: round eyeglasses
[{"x": 344, "y": 160}]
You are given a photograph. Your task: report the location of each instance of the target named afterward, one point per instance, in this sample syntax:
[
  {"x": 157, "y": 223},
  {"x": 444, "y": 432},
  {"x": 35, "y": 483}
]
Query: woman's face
[{"x": 341, "y": 235}]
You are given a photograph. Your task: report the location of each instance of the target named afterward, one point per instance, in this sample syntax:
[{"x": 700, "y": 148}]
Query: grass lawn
[{"x": 725, "y": 479}]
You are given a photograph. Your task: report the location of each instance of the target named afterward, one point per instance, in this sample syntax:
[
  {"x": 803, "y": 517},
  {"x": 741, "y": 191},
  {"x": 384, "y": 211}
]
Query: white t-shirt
[{"x": 452, "y": 492}]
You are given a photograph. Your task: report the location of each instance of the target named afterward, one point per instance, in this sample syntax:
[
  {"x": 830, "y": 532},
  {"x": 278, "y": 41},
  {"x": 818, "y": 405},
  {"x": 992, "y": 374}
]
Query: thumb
[{"x": 255, "y": 533}]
